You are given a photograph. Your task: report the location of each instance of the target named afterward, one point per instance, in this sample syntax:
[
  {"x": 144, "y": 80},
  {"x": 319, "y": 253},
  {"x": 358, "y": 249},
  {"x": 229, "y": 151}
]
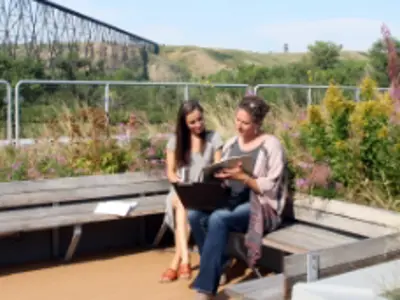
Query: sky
[{"x": 256, "y": 25}]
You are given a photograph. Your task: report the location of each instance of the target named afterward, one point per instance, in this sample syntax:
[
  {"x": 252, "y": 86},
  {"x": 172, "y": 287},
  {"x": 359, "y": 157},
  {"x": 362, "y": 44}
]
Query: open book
[
  {"x": 119, "y": 208},
  {"x": 231, "y": 162}
]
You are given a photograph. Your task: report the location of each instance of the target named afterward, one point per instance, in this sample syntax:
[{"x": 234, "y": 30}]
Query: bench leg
[
  {"x": 160, "y": 234},
  {"x": 55, "y": 238},
  {"x": 256, "y": 271},
  {"x": 76, "y": 236},
  {"x": 142, "y": 231},
  {"x": 236, "y": 246}
]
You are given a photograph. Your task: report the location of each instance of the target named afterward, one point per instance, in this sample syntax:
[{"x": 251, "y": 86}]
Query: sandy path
[{"x": 133, "y": 277}]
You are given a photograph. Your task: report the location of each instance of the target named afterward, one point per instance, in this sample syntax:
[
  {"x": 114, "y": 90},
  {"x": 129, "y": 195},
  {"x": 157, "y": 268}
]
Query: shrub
[{"x": 358, "y": 141}]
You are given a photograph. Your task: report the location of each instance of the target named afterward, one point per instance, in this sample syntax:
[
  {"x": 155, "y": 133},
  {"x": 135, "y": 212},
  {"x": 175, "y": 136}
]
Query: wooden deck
[{"x": 120, "y": 276}]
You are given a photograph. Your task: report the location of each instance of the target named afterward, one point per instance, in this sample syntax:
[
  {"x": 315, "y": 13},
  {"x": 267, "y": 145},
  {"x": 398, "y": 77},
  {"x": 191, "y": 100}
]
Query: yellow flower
[
  {"x": 383, "y": 132},
  {"x": 335, "y": 102},
  {"x": 315, "y": 115},
  {"x": 366, "y": 111},
  {"x": 368, "y": 88},
  {"x": 340, "y": 145},
  {"x": 385, "y": 99},
  {"x": 310, "y": 76}
]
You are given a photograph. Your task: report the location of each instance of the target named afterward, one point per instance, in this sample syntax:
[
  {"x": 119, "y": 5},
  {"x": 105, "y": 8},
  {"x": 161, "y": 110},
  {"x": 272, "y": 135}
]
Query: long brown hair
[{"x": 183, "y": 140}]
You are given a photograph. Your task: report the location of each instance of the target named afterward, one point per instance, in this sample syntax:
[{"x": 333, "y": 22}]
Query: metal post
[
  {"x": 309, "y": 98},
  {"x": 312, "y": 266},
  {"x": 9, "y": 109},
  {"x": 107, "y": 98},
  {"x": 186, "y": 93},
  {"x": 16, "y": 113},
  {"x": 357, "y": 95}
]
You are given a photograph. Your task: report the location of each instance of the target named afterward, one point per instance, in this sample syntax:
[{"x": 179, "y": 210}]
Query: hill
[{"x": 174, "y": 62}]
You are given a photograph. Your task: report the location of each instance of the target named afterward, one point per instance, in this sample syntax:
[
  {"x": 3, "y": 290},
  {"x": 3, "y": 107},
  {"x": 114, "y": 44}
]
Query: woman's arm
[
  {"x": 217, "y": 143},
  {"x": 217, "y": 155},
  {"x": 251, "y": 183},
  {"x": 171, "y": 166},
  {"x": 275, "y": 165},
  {"x": 171, "y": 161}
]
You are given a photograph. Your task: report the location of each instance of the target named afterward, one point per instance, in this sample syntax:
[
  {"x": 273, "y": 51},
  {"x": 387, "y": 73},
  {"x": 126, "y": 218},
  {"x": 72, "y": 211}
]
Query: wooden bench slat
[
  {"x": 59, "y": 196},
  {"x": 49, "y": 217},
  {"x": 40, "y": 212},
  {"x": 268, "y": 288},
  {"x": 343, "y": 258},
  {"x": 298, "y": 238},
  {"x": 342, "y": 223},
  {"x": 29, "y": 186},
  {"x": 353, "y": 211}
]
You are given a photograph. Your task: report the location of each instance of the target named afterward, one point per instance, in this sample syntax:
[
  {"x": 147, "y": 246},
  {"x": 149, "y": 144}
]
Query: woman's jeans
[{"x": 211, "y": 233}]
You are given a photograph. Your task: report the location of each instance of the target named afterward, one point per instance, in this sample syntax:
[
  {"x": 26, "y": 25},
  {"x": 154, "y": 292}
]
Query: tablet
[
  {"x": 231, "y": 162},
  {"x": 205, "y": 196}
]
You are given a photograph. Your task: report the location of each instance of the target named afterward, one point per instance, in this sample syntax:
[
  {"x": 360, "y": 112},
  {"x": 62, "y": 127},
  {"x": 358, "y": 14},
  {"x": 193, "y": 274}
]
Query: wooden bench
[
  {"x": 49, "y": 204},
  {"x": 321, "y": 229}
]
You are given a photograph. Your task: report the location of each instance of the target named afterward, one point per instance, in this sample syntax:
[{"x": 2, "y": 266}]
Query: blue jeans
[{"x": 211, "y": 233}]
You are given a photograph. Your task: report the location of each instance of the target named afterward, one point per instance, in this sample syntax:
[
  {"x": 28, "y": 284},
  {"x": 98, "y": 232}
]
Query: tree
[
  {"x": 378, "y": 60},
  {"x": 324, "y": 55}
]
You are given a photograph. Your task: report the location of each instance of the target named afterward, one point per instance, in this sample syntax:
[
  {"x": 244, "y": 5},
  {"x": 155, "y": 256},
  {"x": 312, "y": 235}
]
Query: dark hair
[
  {"x": 183, "y": 141},
  {"x": 255, "y": 106}
]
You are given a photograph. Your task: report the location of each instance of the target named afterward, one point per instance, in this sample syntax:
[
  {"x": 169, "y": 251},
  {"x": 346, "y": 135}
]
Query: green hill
[{"x": 173, "y": 62}]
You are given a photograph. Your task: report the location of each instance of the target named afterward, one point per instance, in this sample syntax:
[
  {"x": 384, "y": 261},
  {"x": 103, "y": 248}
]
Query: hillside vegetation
[{"x": 174, "y": 62}]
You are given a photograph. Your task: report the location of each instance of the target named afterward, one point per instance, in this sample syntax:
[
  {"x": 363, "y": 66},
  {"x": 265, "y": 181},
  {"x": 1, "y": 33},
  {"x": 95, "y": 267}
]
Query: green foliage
[
  {"x": 359, "y": 141},
  {"x": 378, "y": 60},
  {"x": 324, "y": 55}
]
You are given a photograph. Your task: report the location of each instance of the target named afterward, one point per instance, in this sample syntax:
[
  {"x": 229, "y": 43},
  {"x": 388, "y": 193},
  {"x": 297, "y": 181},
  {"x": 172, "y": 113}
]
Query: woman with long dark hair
[{"x": 190, "y": 149}]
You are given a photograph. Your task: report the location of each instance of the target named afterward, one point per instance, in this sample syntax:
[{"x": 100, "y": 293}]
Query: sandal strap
[
  {"x": 169, "y": 274},
  {"x": 185, "y": 269}
]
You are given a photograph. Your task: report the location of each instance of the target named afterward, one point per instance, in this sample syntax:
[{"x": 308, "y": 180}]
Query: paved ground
[{"x": 122, "y": 277}]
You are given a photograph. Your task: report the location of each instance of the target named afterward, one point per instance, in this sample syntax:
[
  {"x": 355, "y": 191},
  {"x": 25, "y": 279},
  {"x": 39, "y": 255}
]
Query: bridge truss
[{"x": 43, "y": 29}]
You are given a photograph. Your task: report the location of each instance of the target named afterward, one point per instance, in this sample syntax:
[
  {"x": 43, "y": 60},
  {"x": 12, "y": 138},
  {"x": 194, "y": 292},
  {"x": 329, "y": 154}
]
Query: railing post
[
  {"x": 9, "y": 109},
  {"x": 186, "y": 92},
  {"x": 357, "y": 94},
  {"x": 309, "y": 97},
  {"x": 107, "y": 98},
  {"x": 16, "y": 113}
]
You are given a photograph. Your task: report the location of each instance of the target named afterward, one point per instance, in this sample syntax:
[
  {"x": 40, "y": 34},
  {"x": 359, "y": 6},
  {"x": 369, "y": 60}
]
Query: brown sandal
[
  {"x": 185, "y": 271},
  {"x": 169, "y": 275}
]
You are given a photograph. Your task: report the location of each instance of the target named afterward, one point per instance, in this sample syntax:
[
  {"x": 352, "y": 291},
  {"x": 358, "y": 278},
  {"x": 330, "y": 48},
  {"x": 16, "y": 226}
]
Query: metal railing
[
  {"x": 9, "y": 116},
  {"x": 309, "y": 89},
  {"x": 107, "y": 85}
]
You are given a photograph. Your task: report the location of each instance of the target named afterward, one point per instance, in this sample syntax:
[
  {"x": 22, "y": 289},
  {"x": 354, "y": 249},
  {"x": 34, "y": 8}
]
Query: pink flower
[
  {"x": 151, "y": 151},
  {"x": 33, "y": 173},
  {"x": 302, "y": 183}
]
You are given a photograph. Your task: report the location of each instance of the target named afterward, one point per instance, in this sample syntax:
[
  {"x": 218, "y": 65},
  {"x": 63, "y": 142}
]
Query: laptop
[{"x": 204, "y": 196}]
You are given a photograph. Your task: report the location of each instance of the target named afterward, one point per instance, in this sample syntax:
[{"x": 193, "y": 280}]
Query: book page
[{"x": 120, "y": 208}]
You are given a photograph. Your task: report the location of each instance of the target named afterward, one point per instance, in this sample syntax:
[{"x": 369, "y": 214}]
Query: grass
[
  {"x": 178, "y": 63},
  {"x": 206, "y": 61}
]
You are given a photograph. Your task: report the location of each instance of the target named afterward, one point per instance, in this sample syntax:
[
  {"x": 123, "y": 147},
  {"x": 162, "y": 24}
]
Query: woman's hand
[
  {"x": 174, "y": 178},
  {"x": 235, "y": 173}
]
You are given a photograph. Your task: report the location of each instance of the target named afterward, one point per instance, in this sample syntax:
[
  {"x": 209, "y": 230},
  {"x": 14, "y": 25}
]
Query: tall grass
[{"x": 93, "y": 148}]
